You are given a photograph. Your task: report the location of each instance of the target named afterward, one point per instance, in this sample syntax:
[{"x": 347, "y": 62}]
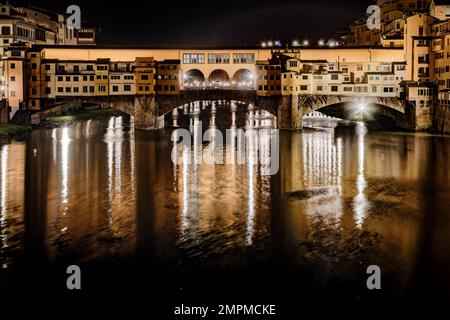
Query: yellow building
[
  {"x": 145, "y": 75},
  {"x": 101, "y": 83},
  {"x": 122, "y": 78}
]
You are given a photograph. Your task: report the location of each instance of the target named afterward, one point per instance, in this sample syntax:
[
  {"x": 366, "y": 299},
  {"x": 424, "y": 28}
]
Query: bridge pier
[
  {"x": 291, "y": 112},
  {"x": 144, "y": 113}
]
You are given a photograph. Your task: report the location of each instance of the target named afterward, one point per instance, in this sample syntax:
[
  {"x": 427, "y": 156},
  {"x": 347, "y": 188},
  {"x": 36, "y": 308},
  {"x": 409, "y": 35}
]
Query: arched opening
[
  {"x": 194, "y": 79},
  {"x": 219, "y": 79},
  {"x": 376, "y": 116},
  {"x": 243, "y": 79}
]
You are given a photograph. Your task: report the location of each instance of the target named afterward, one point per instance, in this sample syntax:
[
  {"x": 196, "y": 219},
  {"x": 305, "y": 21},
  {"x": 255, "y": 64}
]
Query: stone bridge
[{"x": 289, "y": 109}]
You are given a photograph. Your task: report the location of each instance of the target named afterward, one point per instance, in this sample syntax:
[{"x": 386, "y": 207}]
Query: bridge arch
[
  {"x": 218, "y": 78},
  {"x": 194, "y": 78},
  {"x": 243, "y": 78},
  {"x": 370, "y": 112}
]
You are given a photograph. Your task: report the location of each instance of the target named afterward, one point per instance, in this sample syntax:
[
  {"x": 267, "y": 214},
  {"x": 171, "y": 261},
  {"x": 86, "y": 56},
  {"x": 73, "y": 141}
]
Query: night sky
[{"x": 176, "y": 23}]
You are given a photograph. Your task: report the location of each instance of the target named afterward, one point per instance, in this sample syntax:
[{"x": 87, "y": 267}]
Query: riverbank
[{"x": 9, "y": 131}]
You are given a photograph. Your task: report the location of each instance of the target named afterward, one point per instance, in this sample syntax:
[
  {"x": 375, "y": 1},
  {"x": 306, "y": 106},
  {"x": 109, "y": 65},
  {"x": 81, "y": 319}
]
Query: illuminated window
[
  {"x": 193, "y": 58},
  {"x": 244, "y": 58},
  {"x": 216, "y": 58}
]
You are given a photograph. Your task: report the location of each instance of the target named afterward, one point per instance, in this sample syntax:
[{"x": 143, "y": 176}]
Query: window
[
  {"x": 13, "y": 93},
  {"x": 85, "y": 89},
  {"x": 60, "y": 78},
  {"x": 47, "y": 78},
  {"x": 90, "y": 67},
  {"x": 144, "y": 77},
  {"x": 334, "y": 88},
  {"x": 75, "y": 78},
  {"x": 85, "y": 78},
  {"x": 193, "y": 58},
  {"x": 6, "y": 31},
  {"x": 48, "y": 90},
  {"x": 247, "y": 58},
  {"x": 129, "y": 77},
  {"x": 348, "y": 89},
  {"x": 68, "y": 78},
  {"x": 115, "y": 88},
  {"x": 374, "y": 89},
  {"x": 334, "y": 77},
  {"x": 303, "y": 88},
  {"x": 91, "y": 89},
  {"x": 33, "y": 91},
  {"x": 47, "y": 67},
  {"x": 102, "y": 88},
  {"x": 68, "y": 89},
  {"x": 91, "y": 78},
  {"x": 319, "y": 88},
  {"x": 13, "y": 65},
  {"x": 60, "y": 89},
  {"x": 76, "y": 68},
  {"x": 127, "y": 87},
  {"x": 102, "y": 68},
  {"x": 13, "y": 78},
  {"x": 214, "y": 58}
]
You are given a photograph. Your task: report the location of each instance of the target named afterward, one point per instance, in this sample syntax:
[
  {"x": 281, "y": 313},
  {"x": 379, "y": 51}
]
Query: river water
[{"x": 100, "y": 195}]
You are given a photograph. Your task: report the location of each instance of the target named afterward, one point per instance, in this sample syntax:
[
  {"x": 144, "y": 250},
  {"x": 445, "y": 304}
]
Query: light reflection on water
[{"x": 107, "y": 191}]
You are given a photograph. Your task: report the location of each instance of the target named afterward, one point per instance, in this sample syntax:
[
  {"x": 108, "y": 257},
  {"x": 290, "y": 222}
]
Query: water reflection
[
  {"x": 322, "y": 172},
  {"x": 98, "y": 191},
  {"x": 360, "y": 201},
  {"x": 12, "y": 169}
]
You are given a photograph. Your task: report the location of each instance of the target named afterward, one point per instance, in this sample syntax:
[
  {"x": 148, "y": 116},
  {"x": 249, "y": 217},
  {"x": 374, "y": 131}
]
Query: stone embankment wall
[{"x": 442, "y": 119}]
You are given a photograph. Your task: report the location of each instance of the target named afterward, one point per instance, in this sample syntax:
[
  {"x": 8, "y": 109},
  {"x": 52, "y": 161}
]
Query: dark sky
[{"x": 212, "y": 23}]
